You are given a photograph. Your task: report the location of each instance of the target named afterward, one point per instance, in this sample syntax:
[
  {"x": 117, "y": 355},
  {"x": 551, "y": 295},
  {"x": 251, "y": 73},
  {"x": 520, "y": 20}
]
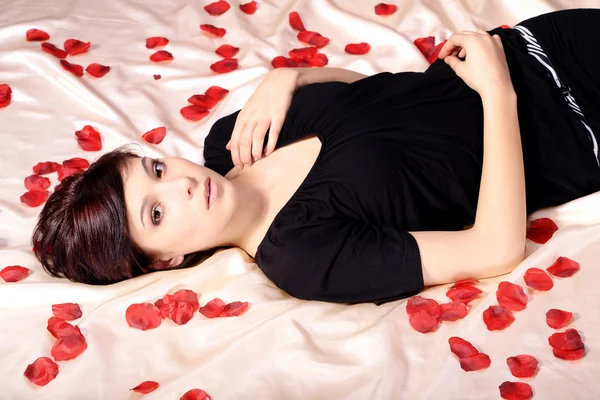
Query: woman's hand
[
  {"x": 484, "y": 67},
  {"x": 267, "y": 107}
]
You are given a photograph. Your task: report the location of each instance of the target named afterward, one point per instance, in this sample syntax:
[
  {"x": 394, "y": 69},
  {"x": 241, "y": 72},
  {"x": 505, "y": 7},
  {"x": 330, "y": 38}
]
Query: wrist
[{"x": 498, "y": 93}]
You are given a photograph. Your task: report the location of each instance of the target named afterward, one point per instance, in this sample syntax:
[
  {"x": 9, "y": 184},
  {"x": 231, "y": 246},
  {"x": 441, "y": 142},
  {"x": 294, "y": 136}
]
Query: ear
[{"x": 163, "y": 264}]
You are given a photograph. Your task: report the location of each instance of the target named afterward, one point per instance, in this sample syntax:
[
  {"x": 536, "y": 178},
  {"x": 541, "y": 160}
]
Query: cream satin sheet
[{"x": 282, "y": 348}]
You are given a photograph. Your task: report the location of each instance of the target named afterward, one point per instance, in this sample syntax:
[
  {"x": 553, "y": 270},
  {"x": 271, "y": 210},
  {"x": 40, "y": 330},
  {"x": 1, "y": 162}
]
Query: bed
[{"x": 280, "y": 347}]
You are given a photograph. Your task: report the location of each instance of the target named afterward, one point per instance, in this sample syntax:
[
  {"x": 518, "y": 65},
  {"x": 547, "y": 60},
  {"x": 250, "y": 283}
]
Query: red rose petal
[
  {"x": 219, "y": 32},
  {"x": 68, "y": 347},
  {"x": 283, "y": 62},
  {"x": 248, "y": 8},
  {"x": 63, "y": 172},
  {"x": 418, "y": 303},
  {"x": 497, "y": 318},
  {"x": 76, "y": 162},
  {"x": 75, "y": 69},
  {"x": 156, "y": 41},
  {"x": 14, "y": 273},
  {"x": 504, "y": 26},
  {"x": 511, "y": 296},
  {"x": 55, "y": 51},
  {"x": 227, "y": 51},
  {"x": 5, "y": 95},
  {"x": 358, "y": 48},
  {"x": 522, "y": 366},
  {"x": 188, "y": 296},
  {"x": 313, "y": 38},
  {"x": 36, "y": 182},
  {"x": 303, "y": 53},
  {"x": 570, "y": 355},
  {"x": 213, "y": 308},
  {"x": 155, "y": 136},
  {"x": 428, "y": 48},
  {"x": 143, "y": 316},
  {"x": 557, "y": 319},
  {"x": 234, "y": 309},
  {"x": 97, "y": 70},
  {"x": 538, "y": 279},
  {"x": 563, "y": 267},
  {"x": 296, "y": 22},
  {"x": 58, "y": 328},
  {"x": 202, "y": 100},
  {"x": 224, "y": 66},
  {"x": 74, "y": 46},
  {"x": 34, "y": 35},
  {"x": 453, "y": 311},
  {"x": 461, "y": 347},
  {"x": 182, "y": 313},
  {"x": 194, "y": 113},
  {"x": 567, "y": 340},
  {"x": 156, "y": 76},
  {"x": 166, "y": 305},
  {"x": 475, "y": 362},
  {"x": 67, "y": 311},
  {"x": 464, "y": 293},
  {"x": 146, "y": 387},
  {"x": 515, "y": 391},
  {"x": 217, "y": 8},
  {"x": 161, "y": 55},
  {"x": 541, "y": 230},
  {"x": 468, "y": 281},
  {"x": 385, "y": 9},
  {"x": 422, "y": 322},
  {"x": 320, "y": 60},
  {"x": 89, "y": 139},
  {"x": 34, "y": 198},
  {"x": 216, "y": 92},
  {"x": 46, "y": 167},
  {"x": 195, "y": 394},
  {"x": 41, "y": 371}
]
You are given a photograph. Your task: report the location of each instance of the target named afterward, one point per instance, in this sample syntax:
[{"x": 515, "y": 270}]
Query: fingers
[
  {"x": 454, "y": 42},
  {"x": 454, "y": 63},
  {"x": 258, "y": 138},
  {"x": 273, "y": 136},
  {"x": 245, "y": 145}
]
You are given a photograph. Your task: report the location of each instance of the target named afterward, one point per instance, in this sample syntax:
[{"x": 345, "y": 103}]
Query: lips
[{"x": 207, "y": 191}]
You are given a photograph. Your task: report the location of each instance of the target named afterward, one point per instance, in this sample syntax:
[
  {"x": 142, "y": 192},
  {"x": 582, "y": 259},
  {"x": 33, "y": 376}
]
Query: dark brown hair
[{"x": 83, "y": 226}]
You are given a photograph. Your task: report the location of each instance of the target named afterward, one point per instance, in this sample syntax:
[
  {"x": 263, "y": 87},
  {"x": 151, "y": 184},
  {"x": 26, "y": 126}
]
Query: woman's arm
[{"x": 306, "y": 76}]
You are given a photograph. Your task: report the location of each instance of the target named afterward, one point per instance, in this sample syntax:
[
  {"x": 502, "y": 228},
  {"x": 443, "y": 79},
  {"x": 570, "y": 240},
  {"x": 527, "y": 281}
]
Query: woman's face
[{"x": 167, "y": 206}]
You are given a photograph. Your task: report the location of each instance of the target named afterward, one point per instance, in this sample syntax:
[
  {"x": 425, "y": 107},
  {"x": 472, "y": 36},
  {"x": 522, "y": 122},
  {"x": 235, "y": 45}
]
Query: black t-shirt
[{"x": 400, "y": 152}]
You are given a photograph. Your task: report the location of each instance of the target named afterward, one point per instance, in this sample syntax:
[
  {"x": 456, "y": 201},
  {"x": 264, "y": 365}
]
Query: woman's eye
[
  {"x": 158, "y": 168},
  {"x": 156, "y": 214}
]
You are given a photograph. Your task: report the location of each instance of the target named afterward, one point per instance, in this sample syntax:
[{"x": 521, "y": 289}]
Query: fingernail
[{"x": 238, "y": 167}]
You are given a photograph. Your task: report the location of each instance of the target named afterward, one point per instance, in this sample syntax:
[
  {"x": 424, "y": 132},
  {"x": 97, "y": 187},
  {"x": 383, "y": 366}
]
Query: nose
[{"x": 184, "y": 185}]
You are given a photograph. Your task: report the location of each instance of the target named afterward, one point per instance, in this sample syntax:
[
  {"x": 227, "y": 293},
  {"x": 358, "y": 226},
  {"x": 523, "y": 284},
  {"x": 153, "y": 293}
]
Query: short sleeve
[{"x": 343, "y": 261}]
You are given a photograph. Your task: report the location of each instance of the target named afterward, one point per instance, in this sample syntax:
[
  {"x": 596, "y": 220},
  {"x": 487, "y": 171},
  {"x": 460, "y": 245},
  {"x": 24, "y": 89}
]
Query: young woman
[{"x": 364, "y": 189}]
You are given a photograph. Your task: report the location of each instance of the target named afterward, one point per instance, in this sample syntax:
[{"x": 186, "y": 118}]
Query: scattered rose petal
[
  {"x": 58, "y": 328},
  {"x": 41, "y": 371},
  {"x": 146, "y": 387},
  {"x": 188, "y": 296},
  {"x": 283, "y": 62},
  {"x": 217, "y": 8},
  {"x": 234, "y": 309},
  {"x": 46, "y": 167},
  {"x": 76, "y": 162},
  {"x": 511, "y": 296},
  {"x": 216, "y": 92},
  {"x": 464, "y": 293},
  {"x": 213, "y": 308},
  {"x": 423, "y": 322},
  {"x": 515, "y": 391},
  {"x": 522, "y": 366},
  {"x": 55, "y": 51},
  {"x": 296, "y": 22},
  {"x": 558, "y": 319},
  {"x": 541, "y": 230},
  {"x": 202, "y": 100},
  {"x": 34, "y": 198},
  {"x": 156, "y": 77},
  {"x": 68, "y": 347},
  {"x": 35, "y": 35},
  {"x": 497, "y": 318},
  {"x": 67, "y": 311},
  {"x": 567, "y": 340},
  {"x": 143, "y": 316},
  {"x": 36, "y": 182},
  {"x": 453, "y": 311},
  {"x": 227, "y": 51},
  {"x": 224, "y": 66},
  {"x": 219, "y": 32},
  {"x": 358, "y": 48},
  {"x": 461, "y": 347},
  {"x": 166, "y": 305},
  {"x": 182, "y": 313},
  {"x": 303, "y": 53},
  {"x": 155, "y": 136},
  {"x": 428, "y": 48},
  {"x": 248, "y": 8},
  {"x": 563, "y": 267},
  {"x": 476, "y": 362},
  {"x": 5, "y": 95},
  {"x": 63, "y": 172},
  {"x": 538, "y": 279},
  {"x": 385, "y": 9},
  {"x": 89, "y": 139},
  {"x": 156, "y": 41},
  {"x": 418, "y": 303},
  {"x": 14, "y": 273},
  {"x": 194, "y": 113},
  {"x": 97, "y": 70},
  {"x": 320, "y": 60},
  {"x": 161, "y": 55},
  {"x": 504, "y": 26},
  {"x": 74, "y": 46},
  {"x": 570, "y": 355},
  {"x": 75, "y": 69},
  {"x": 313, "y": 38},
  {"x": 468, "y": 281},
  {"x": 195, "y": 394}
]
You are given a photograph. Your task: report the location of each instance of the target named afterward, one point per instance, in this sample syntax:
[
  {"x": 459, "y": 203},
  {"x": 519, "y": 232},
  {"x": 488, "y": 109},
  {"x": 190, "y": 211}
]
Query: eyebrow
[{"x": 145, "y": 201}]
